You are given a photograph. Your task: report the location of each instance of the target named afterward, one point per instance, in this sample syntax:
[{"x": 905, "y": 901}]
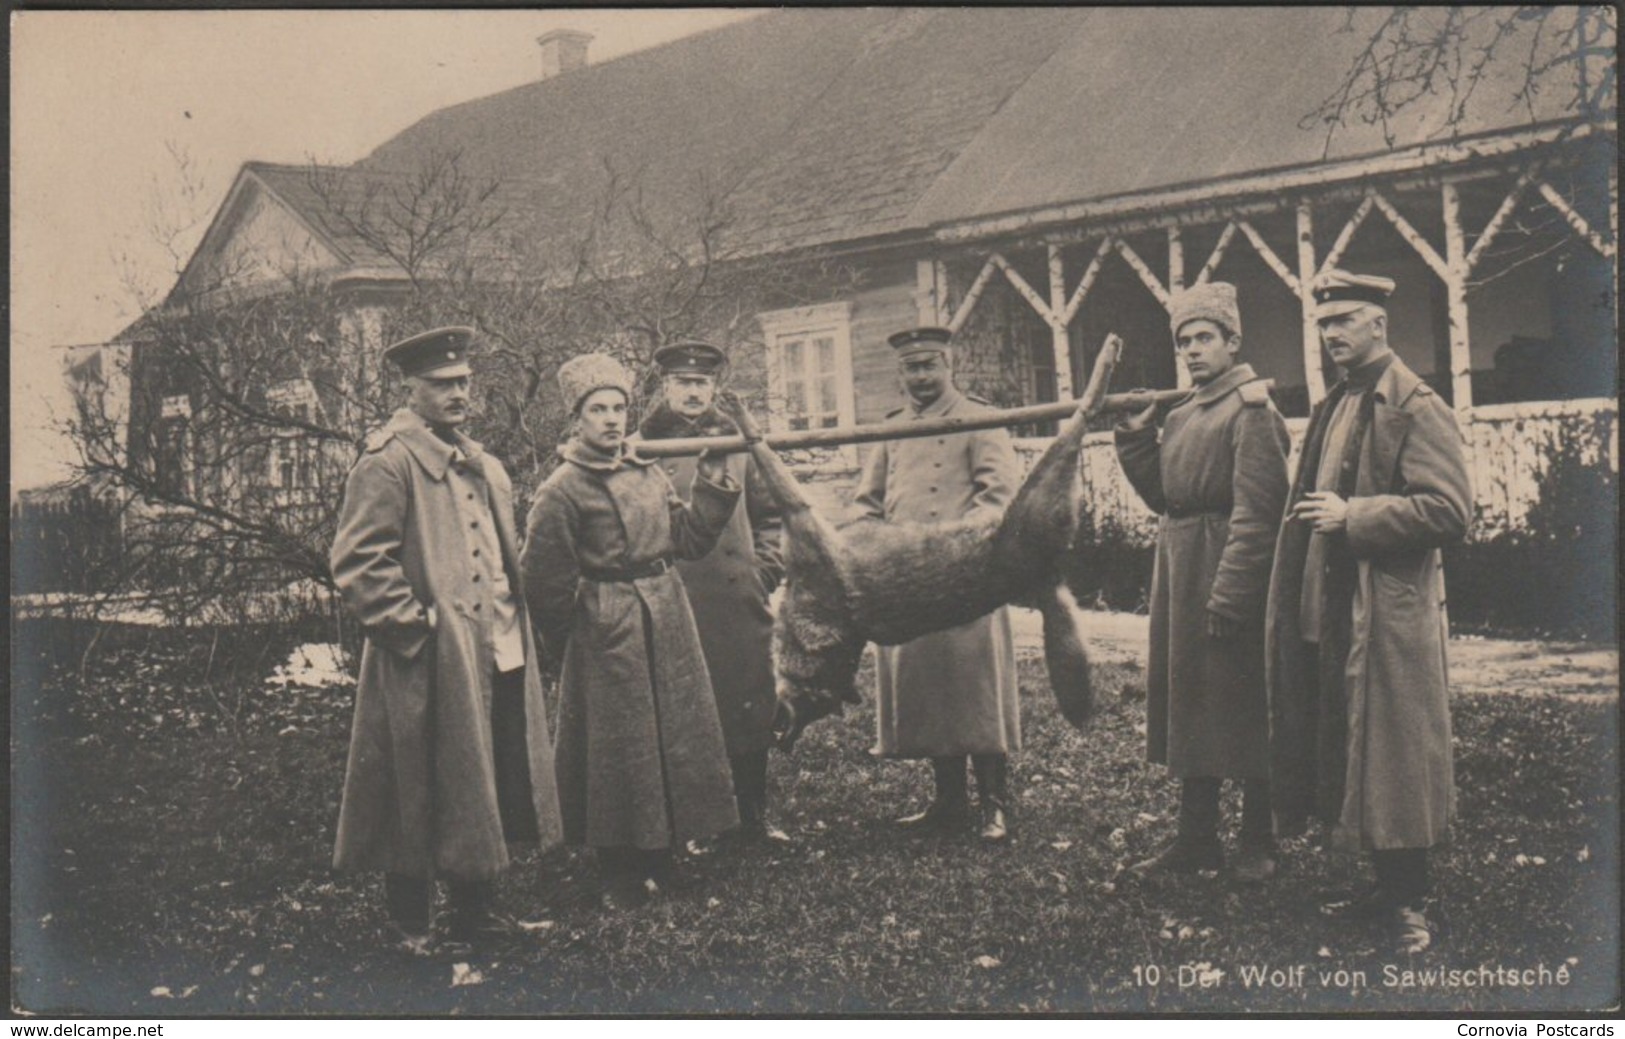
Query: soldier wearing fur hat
[
  {"x": 449, "y": 754},
  {"x": 730, "y": 587},
  {"x": 1217, "y": 475},
  {"x": 950, "y": 695},
  {"x": 1359, "y": 707},
  {"x": 640, "y": 755}
]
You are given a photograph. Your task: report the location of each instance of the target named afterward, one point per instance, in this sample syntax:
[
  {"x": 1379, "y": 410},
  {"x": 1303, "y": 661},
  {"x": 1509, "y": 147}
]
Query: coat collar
[
  {"x": 1224, "y": 384},
  {"x": 1371, "y": 376},
  {"x": 1396, "y": 384},
  {"x": 939, "y": 407},
  {"x": 578, "y": 453},
  {"x": 1390, "y": 425},
  {"x": 663, "y": 424},
  {"x": 432, "y": 453}
]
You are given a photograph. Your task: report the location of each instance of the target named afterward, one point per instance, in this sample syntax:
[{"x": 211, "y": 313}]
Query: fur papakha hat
[
  {"x": 585, "y": 373},
  {"x": 1213, "y": 301}
]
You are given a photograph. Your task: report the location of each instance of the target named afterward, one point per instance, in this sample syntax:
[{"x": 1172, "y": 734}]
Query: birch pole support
[
  {"x": 1176, "y": 282},
  {"x": 1455, "y": 283},
  {"x": 1313, "y": 376},
  {"x": 1060, "y": 342},
  {"x": 931, "y": 291},
  {"x": 1176, "y": 260}
]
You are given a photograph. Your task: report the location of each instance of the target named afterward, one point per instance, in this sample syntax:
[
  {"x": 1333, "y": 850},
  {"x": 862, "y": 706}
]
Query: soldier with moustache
[
  {"x": 729, "y": 588},
  {"x": 449, "y": 752},
  {"x": 1356, "y": 628},
  {"x": 949, "y": 696}
]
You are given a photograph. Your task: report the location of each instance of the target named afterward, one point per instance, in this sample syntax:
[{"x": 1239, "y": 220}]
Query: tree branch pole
[{"x": 1132, "y": 401}]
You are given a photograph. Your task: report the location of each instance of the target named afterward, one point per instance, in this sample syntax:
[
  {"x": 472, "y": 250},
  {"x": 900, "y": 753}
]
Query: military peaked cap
[
  {"x": 690, "y": 356},
  {"x": 1340, "y": 292},
  {"x": 440, "y": 353},
  {"x": 919, "y": 340}
]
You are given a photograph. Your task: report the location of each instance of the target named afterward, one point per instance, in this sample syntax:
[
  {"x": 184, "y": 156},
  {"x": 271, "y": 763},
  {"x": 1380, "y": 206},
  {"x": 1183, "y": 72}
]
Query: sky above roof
[{"x": 104, "y": 102}]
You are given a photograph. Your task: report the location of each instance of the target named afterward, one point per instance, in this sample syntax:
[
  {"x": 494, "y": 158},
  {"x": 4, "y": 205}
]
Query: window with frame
[
  {"x": 291, "y": 460},
  {"x": 172, "y": 454},
  {"x": 809, "y": 367}
]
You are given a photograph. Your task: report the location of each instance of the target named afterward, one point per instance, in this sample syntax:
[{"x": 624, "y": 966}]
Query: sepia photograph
[{"x": 814, "y": 511}]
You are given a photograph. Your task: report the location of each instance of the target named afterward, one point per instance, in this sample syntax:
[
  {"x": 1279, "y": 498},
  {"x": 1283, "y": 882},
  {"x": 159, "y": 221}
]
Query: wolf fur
[{"x": 890, "y": 583}]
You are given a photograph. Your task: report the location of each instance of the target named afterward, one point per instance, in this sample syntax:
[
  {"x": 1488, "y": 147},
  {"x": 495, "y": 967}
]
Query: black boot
[
  {"x": 621, "y": 874},
  {"x": 950, "y": 807},
  {"x": 1196, "y": 844},
  {"x": 1257, "y": 861},
  {"x": 1402, "y": 881},
  {"x": 474, "y": 919},
  {"x": 750, "y": 794},
  {"x": 409, "y": 902},
  {"x": 993, "y": 794}
]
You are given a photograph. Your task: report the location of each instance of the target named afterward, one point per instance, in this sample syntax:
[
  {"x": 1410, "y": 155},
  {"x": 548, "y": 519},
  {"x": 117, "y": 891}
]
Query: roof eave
[{"x": 1412, "y": 160}]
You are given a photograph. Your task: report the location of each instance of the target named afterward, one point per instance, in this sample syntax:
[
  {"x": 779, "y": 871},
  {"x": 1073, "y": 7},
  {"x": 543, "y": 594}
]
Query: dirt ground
[{"x": 1478, "y": 664}]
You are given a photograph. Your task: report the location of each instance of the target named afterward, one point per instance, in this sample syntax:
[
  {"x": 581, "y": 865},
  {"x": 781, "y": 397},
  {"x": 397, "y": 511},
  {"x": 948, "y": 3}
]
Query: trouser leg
[
  {"x": 511, "y": 752},
  {"x": 409, "y": 902}
]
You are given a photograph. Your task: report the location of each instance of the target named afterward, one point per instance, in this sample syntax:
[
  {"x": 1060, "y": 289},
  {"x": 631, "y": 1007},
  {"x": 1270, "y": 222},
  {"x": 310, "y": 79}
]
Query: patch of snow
[{"x": 314, "y": 665}]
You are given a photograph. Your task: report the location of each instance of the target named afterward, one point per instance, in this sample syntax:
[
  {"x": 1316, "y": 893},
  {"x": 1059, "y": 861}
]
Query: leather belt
[
  {"x": 1186, "y": 513},
  {"x": 606, "y": 575}
]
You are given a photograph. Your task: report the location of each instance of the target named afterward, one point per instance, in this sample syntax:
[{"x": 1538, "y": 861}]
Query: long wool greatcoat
[
  {"x": 953, "y": 692},
  {"x": 420, "y": 792},
  {"x": 1363, "y": 739},
  {"x": 1218, "y": 479},
  {"x": 640, "y": 756},
  {"x": 729, "y": 588}
]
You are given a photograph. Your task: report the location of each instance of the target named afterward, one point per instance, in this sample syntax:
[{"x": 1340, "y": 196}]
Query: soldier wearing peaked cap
[
  {"x": 1356, "y": 627},
  {"x": 1217, "y": 476},
  {"x": 449, "y": 754},
  {"x": 640, "y": 755},
  {"x": 950, "y": 695},
  {"x": 730, "y": 587}
]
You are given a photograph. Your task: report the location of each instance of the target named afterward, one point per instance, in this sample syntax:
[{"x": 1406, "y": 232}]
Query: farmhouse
[{"x": 1038, "y": 177}]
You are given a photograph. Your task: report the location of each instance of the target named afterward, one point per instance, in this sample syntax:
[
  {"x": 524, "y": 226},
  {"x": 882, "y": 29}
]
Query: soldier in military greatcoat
[
  {"x": 640, "y": 757},
  {"x": 449, "y": 753},
  {"x": 1357, "y": 629},
  {"x": 730, "y": 587},
  {"x": 1217, "y": 477},
  {"x": 952, "y": 695}
]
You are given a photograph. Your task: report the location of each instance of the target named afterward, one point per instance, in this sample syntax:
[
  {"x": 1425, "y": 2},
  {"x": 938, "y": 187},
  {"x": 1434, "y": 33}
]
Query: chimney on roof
[{"x": 563, "y": 50}]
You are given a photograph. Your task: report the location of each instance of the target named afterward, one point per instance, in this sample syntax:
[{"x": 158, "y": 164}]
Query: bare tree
[
  {"x": 251, "y": 385},
  {"x": 1550, "y": 59}
]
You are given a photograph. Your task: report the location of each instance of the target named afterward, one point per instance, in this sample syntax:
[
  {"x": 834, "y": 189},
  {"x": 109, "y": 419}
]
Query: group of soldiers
[{"x": 1297, "y": 629}]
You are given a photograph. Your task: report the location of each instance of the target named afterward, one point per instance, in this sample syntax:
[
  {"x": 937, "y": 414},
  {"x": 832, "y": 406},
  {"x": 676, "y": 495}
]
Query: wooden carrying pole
[{"x": 1132, "y": 401}]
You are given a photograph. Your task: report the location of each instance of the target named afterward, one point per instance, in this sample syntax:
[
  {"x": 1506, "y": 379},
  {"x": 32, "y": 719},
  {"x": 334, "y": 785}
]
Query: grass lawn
[{"x": 173, "y": 820}]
